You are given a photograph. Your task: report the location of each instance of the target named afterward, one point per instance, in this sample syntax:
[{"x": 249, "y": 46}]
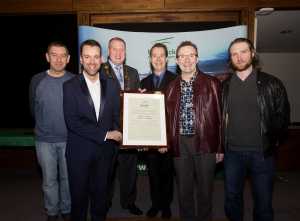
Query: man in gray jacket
[{"x": 46, "y": 103}]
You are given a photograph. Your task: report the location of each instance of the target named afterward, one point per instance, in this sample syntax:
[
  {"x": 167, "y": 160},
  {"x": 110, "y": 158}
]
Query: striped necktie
[{"x": 119, "y": 75}]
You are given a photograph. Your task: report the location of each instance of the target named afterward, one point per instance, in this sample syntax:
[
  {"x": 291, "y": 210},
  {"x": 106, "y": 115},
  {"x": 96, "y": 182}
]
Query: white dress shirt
[{"x": 95, "y": 92}]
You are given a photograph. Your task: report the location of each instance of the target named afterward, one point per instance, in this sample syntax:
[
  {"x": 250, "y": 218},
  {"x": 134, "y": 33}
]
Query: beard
[
  {"x": 91, "y": 71},
  {"x": 242, "y": 67}
]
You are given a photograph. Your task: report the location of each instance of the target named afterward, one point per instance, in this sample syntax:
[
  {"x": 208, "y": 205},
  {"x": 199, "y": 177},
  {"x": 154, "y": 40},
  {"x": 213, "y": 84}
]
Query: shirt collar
[
  {"x": 191, "y": 80},
  {"x": 88, "y": 81},
  {"x": 161, "y": 75},
  {"x": 114, "y": 65}
]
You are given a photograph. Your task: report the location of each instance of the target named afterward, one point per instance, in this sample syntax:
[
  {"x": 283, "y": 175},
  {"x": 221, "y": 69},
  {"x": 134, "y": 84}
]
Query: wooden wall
[
  {"x": 67, "y": 6},
  {"x": 35, "y": 6},
  {"x": 89, "y": 10}
]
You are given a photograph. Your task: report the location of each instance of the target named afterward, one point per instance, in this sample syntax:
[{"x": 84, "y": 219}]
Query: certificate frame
[{"x": 144, "y": 120}]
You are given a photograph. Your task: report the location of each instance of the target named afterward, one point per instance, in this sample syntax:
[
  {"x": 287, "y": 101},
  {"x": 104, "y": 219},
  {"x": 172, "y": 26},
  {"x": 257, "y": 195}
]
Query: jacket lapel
[
  {"x": 103, "y": 83},
  {"x": 164, "y": 80},
  {"x": 86, "y": 93},
  {"x": 150, "y": 83},
  {"x": 113, "y": 74}
]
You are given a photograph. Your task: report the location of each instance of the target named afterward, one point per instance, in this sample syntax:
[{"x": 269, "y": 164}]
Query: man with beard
[
  {"x": 255, "y": 117},
  {"x": 91, "y": 109},
  {"x": 46, "y": 103}
]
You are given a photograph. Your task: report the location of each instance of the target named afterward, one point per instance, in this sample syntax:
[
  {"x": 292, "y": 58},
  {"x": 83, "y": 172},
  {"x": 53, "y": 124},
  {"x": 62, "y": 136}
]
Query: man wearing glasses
[{"x": 194, "y": 123}]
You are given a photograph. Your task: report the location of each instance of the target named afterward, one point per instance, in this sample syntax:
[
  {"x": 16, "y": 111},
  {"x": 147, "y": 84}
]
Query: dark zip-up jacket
[{"x": 273, "y": 106}]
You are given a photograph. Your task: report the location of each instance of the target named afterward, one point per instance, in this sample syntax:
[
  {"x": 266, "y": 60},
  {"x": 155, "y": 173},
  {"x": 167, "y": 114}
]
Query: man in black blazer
[
  {"x": 160, "y": 164},
  {"x": 126, "y": 161},
  {"x": 91, "y": 110}
]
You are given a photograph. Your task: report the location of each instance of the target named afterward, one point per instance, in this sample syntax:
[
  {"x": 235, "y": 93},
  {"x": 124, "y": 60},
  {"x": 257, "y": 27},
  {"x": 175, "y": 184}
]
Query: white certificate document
[{"x": 144, "y": 120}]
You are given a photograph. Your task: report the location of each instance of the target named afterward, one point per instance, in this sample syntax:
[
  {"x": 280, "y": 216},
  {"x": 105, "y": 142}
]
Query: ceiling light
[{"x": 264, "y": 11}]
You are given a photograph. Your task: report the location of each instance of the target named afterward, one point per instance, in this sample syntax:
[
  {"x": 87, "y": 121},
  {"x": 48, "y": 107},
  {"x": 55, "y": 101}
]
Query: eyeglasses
[{"x": 189, "y": 56}]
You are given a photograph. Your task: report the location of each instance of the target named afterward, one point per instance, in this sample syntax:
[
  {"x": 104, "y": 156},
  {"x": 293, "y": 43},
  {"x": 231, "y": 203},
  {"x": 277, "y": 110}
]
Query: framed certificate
[{"x": 144, "y": 120}]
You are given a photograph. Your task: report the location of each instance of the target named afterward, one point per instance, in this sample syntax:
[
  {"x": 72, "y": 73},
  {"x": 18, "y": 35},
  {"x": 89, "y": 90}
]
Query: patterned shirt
[{"x": 187, "y": 115}]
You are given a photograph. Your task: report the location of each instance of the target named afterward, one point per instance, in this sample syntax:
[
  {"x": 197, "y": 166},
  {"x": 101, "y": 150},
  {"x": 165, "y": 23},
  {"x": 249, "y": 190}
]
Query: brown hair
[
  {"x": 181, "y": 45},
  {"x": 158, "y": 45},
  {"x": 57, "y": 44},
  {"x": 255, "y": 59},
  {"x": 92, "y": 43},
  {"x": 184, "y": 44}
]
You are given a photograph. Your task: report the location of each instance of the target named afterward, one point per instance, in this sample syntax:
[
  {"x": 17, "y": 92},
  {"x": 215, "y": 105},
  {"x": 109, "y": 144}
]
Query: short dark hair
[
  {"x": 184, "y": 44},
  {"x": 159, "y": 45},
  {"x": 255, "y": 59},
  {"x": 116, "y": 39},
  {"x": 57, "y": 44},
  {"x": 92, "y": 43}
]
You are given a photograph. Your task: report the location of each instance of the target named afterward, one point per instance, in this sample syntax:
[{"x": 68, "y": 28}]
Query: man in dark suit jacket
[
  {"x": 126, "y": 161},
  {"x": 91, "y": 110},
  {"x": 160, "y": 164}
]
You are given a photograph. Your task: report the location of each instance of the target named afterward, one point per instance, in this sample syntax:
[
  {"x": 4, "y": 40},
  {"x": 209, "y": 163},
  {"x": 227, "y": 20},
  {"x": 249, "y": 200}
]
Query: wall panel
[
  {"x": 164, "y": 17},
  {"x": 117, "y": 5},
  {"x": 205, "y": 4},
  {"x": 28, "y": 6},
  {"x": 38, "y": 6}
]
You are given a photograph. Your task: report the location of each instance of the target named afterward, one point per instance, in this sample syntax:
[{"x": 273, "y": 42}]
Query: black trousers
[
  {"x": 161, "y": 173},
  {"x": 89, "y": 179},
  {"x": 125, "y": 168},
  {"x": 194, "y": 178}
]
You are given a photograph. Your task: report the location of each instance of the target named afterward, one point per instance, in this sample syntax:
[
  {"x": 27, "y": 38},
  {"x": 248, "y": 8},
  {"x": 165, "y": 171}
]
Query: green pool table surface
[{"x": 16, "y": 137}]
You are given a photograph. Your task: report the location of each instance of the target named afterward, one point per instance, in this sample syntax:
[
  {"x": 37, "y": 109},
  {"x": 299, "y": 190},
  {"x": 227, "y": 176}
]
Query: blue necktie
[
  {"x": 156, "y": 81},
  {"x": 119, "y": 75}
]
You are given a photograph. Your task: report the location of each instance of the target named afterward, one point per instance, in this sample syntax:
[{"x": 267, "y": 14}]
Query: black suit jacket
[
  {"x": 147, "y": 82},
  {"x": 85, "y": 133}
]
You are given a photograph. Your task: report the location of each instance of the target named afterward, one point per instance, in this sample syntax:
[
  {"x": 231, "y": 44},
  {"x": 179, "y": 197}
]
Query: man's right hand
[{"x": 114, "y": 135}]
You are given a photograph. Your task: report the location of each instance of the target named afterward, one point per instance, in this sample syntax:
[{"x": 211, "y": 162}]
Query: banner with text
[{"x": 212, "y": 46}]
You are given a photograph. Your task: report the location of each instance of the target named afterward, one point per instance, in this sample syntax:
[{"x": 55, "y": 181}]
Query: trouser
[
  {"x": 161, "y": 173},
  {"x": 261, "y": 171},
  {"x": 89, "y": 176},
  {"x": 125, "y": 167},
  {"x": 51, "y": 158},
  {"x": 194, "y": 173}
]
